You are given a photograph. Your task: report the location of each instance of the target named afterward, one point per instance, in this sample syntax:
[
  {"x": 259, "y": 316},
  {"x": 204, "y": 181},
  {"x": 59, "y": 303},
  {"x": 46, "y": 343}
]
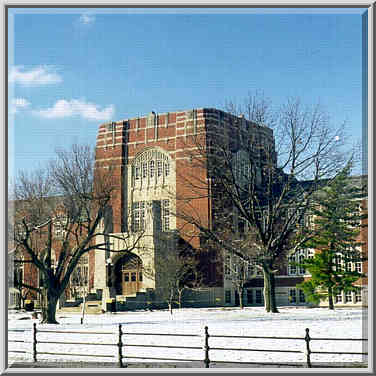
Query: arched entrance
[{"x": 128, "y": 273}]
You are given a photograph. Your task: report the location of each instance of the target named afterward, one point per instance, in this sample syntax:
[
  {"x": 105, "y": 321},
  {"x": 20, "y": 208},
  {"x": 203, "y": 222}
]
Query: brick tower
[{"x": 151, "y": 158}]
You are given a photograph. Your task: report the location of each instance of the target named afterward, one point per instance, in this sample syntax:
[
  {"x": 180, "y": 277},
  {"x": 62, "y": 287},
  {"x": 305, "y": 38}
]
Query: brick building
[
  {"x": 153, "y": 156},
  {"x": 289, "y": 276},
  {"x": 151, "y": 159}
]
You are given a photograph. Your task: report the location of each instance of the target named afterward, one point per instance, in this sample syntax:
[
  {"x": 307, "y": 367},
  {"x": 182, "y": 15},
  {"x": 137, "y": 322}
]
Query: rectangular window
[
  {"x": 133, "y": 276},
  {"x": 85, "y": 275},
  {"x": 144, "y": 170},
  {"x": 348, "y": 297},
  {"x": 292, "y": 268},
  {"x": 142, "y": 215},
  {"x": 151, "y": 168},
  {"x": 339, "y": 297},
  {"x": 159, "y": 168},
  {"x": 126, "y": 277},
  {"x": 358, "y": 267},
  {"x": 165, "y": 215},
  {"x": 348, "y": 266},
  {"x": 59, "y": 226},
  {"x": 137, "y": 172},
  {"x": 301, "y": 259},
  {"x": 138, "y": 216},
  {"x": 357, "y": 215},
  {"x": 58, "y": 230},
  {"x": 140, "y": 276},
  {"x": 258, "y": 297},
  {"x": 358, "y": 296},
  {"x": 228, "y": 296},
  {"x": 292, "y": 296},
  {"x": 167, "y": 169},
  {"x": 250, "y": 296},
  {"x": 301, "y": 296},
  {"x": 338, "y": 263}
]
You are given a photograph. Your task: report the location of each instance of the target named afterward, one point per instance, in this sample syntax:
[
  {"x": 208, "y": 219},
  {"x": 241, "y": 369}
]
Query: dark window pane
[
  {"x": 258, "y": 297},
  {"x": 250, "y": 296},
  {"x": 227, "y": 296}
]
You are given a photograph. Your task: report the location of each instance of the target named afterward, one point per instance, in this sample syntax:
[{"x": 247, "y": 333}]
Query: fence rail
[
  {"x": 121, "y": 344},
  {"x": 162, "y": 334},
  {"x": 263, "y": 350}
]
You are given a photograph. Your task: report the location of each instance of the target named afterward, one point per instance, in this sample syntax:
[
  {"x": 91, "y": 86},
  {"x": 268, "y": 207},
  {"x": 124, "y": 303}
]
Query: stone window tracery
[
  {"x": 165, "y": 215},
  {"x": 151, "y": 167}
]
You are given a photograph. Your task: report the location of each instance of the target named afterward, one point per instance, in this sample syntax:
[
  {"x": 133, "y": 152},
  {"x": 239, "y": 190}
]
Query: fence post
[
  {"x": 307, "y": 339},
  {"x": 206, "y": 348},
  {"x": 120, "y": 348},
  {"x": 34, "y": 342}
]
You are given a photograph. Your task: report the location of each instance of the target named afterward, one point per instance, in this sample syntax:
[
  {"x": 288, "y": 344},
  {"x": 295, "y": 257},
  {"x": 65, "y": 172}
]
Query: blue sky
[{"x": 72, "y": 69}]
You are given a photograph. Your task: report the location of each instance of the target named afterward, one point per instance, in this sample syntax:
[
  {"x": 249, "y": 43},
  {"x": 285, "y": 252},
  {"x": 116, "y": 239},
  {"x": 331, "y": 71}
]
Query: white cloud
[
  {"x": 87, "y": 19},
  {"x": 41, "y": 75},
  {"x": 17, "y": 104},
  {"x": 74, "y": 107}
]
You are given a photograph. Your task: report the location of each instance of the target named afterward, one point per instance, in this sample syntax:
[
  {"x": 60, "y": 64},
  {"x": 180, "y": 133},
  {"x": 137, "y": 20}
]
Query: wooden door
[{"x": 131, "y": 280}]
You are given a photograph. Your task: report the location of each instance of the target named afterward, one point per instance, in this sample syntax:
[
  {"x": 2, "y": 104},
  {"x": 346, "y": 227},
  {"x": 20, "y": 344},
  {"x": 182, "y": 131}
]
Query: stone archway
[{"x": 128, "y": 274}]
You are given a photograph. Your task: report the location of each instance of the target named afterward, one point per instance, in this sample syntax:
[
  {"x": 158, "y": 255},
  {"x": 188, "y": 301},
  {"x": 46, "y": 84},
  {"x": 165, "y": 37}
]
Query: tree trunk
[
  {"x": 83, "y": 309},
  {"x": 170, "y": 301},
  {"x": 49, "y": 305},
  {"x": 180, "y": 297},
  {"x": 269, "y": 291},
  {"x": 330, "y": 298},
  {"x": 330, "y": 288},
  {"x": 21, "y": 302},
  {"x": 240, "y": 291}
]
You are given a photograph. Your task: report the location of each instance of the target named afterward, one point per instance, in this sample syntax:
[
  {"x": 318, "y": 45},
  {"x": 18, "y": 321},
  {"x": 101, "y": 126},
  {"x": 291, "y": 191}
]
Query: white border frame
[{"x": 369, "y": 8}]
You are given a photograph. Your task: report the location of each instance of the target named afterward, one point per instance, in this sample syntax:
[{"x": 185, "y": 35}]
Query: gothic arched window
[{"x": 151, "y": 167}]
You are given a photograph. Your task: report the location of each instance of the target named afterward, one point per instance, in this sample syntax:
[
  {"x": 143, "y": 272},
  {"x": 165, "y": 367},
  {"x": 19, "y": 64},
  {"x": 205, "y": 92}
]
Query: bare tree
[
  {"x": 79, "y": 283},
  {"x": 261, "y": 185},
  {"x": 239, "y": 268},
  {"x": 60, "y": 210},
  {"x": 17, "y": 279},
  {"x": 236, "y": 270},
  {"x": 175, "y": 269},
  {"x": 255, "y": 107}
]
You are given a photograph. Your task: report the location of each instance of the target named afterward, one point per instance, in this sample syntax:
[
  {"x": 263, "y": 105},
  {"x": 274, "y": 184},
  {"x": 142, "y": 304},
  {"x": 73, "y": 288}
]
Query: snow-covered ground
[{"x": 251, "y": 321}]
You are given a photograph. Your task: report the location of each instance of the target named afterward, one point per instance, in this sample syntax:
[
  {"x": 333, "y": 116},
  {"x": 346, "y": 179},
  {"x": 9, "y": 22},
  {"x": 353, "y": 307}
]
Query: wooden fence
[{"x": 206, "y": 361}]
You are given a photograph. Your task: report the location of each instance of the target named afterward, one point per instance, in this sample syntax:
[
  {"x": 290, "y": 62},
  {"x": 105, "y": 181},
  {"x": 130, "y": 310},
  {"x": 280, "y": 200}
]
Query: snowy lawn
[{"x": 251, "y": 321}]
